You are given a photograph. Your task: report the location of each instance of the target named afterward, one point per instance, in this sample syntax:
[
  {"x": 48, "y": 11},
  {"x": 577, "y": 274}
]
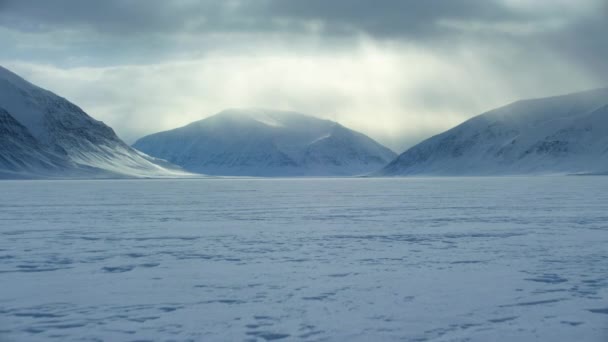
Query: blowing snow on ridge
[
  {"x": 258, "y": 142},
  {"x": 556, "y": 135},
  {"x": 44, "y": 135}
]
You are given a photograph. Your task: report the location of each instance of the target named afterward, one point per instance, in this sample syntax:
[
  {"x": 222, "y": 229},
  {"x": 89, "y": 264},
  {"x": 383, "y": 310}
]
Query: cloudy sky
[{"x": 397, "y": 70}]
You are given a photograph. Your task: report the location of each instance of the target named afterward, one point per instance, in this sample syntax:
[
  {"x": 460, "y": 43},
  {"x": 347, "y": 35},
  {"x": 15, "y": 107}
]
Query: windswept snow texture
[
  {"x": 44, "y": 135},
  {"x": 466, "y": 259},
  {"x": 20, "y": 153},
  {"x": 256, "y": 142},
  {"x": 558, "y": 135}
]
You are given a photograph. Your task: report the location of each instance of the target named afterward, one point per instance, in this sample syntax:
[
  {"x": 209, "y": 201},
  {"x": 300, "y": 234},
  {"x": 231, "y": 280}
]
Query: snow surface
[
  {"x": 557, "y": 135},
  {"x": 260, "y": 142},
  {"x": 442, "y": 259},
  {"x": 51, "y": 137},
  {"x": 21, "y": 153}
]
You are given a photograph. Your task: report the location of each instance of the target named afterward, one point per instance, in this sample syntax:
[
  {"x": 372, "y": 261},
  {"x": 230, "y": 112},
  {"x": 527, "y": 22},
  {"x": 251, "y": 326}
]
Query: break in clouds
[{"x": 396, "y": 70}]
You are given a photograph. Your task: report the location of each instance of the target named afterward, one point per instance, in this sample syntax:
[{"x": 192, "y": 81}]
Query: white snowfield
[
  {"x": 409, "y": 259},
  {"x": 557, "y": 135},
  {"x": 44, "y": 135},
  {"x": 260, "y": 142}
]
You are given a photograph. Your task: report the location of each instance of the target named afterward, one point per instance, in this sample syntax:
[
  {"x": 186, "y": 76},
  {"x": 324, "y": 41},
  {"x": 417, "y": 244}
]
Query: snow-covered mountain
[
  {"x": 20, "y": 153},
  {"x": 258, "y": 142},
  {"x": 558, "y": 135},
  {"x": 44, "y": 135}
]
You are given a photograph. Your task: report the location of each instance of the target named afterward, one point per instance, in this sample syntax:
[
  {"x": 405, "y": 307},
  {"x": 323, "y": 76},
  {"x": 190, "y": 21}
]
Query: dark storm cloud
[
  {"x": 114, "y": 16},
  {"x": 585, "y": 42},
  {"x": 145, "y": 26},
  {"x": 389, "y": 18},
  {"x": 394, "y": 18}
]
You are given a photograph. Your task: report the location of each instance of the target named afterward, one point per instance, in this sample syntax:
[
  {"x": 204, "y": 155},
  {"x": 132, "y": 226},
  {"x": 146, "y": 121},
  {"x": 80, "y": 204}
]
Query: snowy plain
[{"x": 412, "y": 259}]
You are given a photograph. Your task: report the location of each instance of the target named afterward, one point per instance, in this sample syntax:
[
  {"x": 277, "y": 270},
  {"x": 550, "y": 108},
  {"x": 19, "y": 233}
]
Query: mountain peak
[
  {"x": 268, "y": 117},
  {"x": 265, "y": 142},
  {"x": 49, "y": 133},
  {"x": 555, "y": 135}
]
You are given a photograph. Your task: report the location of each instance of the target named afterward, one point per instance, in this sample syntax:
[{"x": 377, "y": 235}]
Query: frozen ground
[{"x": 461, "y": 259}]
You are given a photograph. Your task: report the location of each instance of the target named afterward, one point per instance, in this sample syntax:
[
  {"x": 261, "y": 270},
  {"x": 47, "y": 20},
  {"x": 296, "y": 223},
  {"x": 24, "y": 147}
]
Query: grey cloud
[
  {"x": 586, "y": 43},
  {"x": 113, "y": 16},
  {"x": 394, "y": 18},
  {"x": 418, "y": 66},
  {"x": 138, "y": 31}
]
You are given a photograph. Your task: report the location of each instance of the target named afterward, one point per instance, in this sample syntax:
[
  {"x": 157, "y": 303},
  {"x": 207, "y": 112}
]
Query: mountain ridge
[
  {"x": 65, "y": 139},
  {"x": 555, "y": 135},
  {"x": 263, "y": 142}
]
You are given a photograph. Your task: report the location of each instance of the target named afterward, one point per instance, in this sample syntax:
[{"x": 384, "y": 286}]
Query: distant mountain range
[
  {"x": 258, "y": 142},
  {"x": 44, "y": 135},
  {"x": 556, "y": 135}
]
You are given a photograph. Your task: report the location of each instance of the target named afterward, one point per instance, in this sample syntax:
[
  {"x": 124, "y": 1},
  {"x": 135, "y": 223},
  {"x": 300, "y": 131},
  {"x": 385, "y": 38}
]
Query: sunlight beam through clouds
[{"x": 424, "y": 69}]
